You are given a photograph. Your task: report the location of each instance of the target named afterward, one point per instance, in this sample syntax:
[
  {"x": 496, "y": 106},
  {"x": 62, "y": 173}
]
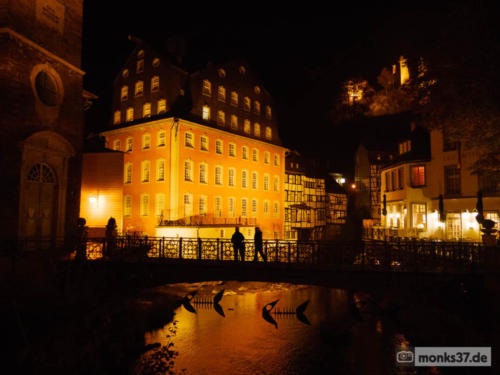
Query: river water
[{"x": 338, "y": 332}]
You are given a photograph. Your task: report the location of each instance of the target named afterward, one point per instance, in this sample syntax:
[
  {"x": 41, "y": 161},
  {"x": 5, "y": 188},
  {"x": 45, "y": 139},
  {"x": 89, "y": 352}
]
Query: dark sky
[{"x": 302, "y": 52}]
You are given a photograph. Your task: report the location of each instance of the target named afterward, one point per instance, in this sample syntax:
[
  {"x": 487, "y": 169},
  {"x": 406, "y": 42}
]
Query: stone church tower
[{"x": 41, "y": 126}]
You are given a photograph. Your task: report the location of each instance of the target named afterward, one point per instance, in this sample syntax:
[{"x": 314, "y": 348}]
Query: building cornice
[{"x": 29, "y": 42}]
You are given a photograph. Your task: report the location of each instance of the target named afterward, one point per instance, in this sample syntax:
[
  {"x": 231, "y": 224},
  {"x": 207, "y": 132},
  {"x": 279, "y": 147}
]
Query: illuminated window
[
  {"x": 418, "y": 175},
  {"x": 268, "y": 113},
  {"x": 266, "y": 208},
  {"x": 254, "y": 180},
  {"x": 145, "y": 169},
  {"x": 140, "y": 54},
  {"x": 254, "y": 207},
  {"x": 266, "y": 182},
  {"x": 276, "y": 184},
  {"x": 162, "y": 106},
  {"x": 269, "y": 133},
  {"x": 246, "y": 103},
  {"x": 206, "y": 88},
  {"x": 188, "y": 140},
  {"x": 231, "y": 177},
  {"x": 204, "y": 143},
  {"x": 146, "y": 141},
  {"x": 418, "y": 214},
  {"x": 267, "y": 157},
  {"x": 276, "y": 209},
  {"x": 117, "y": 117},
  {"x": 146, "y": 110},
  {"x": 222, "y": 73},
  {"x": 230, "y": 207},
  {"x": 203, "y": 204},
  {"x": 452, "y": 179},
  {"x": 256, "y": 107},
  {"x": 244, "y": 180},
  {"x": 244, "y": 203},
  {"x": 404, "y": 147},
  {"x": 203, "y": 173},
  {"x": 160, "y": 205},
  {"x": 218, "y": 175},
  {"x": 255, "y": 154},
  {"x": 221, "y": 93},
  {"x": 127, "y": 205},
  {"x": 453, "y": 226},
  {"x": 218, "y": 206},
  {"x": 246, "y": 126},
  {"x": 160, "y": 170},
  {"x": 144, "y": 204},
  {"x": 130, "y": 144},
  {"x": 128, "y": 173},
  {"x": 116, "y": 145},
  {"x": 161, "y": 138},
  {"x": 188, "y": 205},
  {"x": 130, "y": 114},
  {"x": 206, "y": 112},
  {"x": 234, "y": 98},
  {"x": 276, "y": 160},
  {"x": 256, "y": 129},
  {"x": 188, "y": 170},
  {"x": 139, "y": 88},
  {"x": 125, "y": 73},
  {"x": 232, "y": 149},
  {"x": 244, "y": 152},
  {"x": 257, "y": 90},
  {"x": 242, "y": 70},
  {"x": 140, "y": 66},
  {"x": 219, "y": 147},
  {"x": 155, "y": 83},
  {"x": 156, "y": 62},
  {"x": 492, "y": 215},
  {"x": 234, "y": 122},
  {"x": 124, "y": 93},
  {"x": 221, "y": 118}
]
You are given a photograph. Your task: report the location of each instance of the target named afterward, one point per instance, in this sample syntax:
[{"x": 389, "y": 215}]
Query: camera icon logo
[{"x": 404, "y": 356}]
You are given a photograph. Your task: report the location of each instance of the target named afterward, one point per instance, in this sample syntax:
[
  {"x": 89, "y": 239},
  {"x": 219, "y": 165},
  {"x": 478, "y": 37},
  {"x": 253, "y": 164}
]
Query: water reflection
[{"x": 241, "y": 331}]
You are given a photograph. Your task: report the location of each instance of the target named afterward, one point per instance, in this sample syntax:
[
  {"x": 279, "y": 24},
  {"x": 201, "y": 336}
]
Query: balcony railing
[{"x": 209, "y": 220}]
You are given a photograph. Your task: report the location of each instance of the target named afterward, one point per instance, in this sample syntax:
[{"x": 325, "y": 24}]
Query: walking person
[
  {"x": 238, "y": 244},
  {"x": 111, "y": 234},
  {"x": 257, "y": 239}
]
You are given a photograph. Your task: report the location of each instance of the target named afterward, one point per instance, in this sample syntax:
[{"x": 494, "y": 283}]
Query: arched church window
[{"x": 41, "y": 173}]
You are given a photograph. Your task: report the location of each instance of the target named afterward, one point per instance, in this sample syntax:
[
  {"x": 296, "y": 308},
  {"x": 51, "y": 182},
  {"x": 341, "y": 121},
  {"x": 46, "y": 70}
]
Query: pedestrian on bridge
[
  {"x": 257, "y": 238},
  {"x": 238, "y": 241}
]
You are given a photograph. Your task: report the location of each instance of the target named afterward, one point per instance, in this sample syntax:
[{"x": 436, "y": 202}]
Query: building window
[
  {"x": 218, "y": 206},
  {"x": 254, "y": 207},
  {"x": 269, "y": 133},
  {"x": 206, "y": 88},
  {"x": 162, "y": 106},
  {"x": 203, "y": 173},
  {"x": 130, "y": 114},
  {"x": 203, "y": 205},
  {"x": 156, "y": 62},
  {"x": 244, "y": 152},
  {"x": 418, "y": 175},
  {"x": 388, "y": 186},
  {"x": 234, "y": 122},
  {"x": 244, "y": 179},
  {"x": 453, "y": 226},
  {"x": 401, "y": 177},
  {"x": 188, "y": 205},
  {"x": 276, "y": 184},
  {"x": 221, "y": 118},
  {"x": 124, "y": 93},
  {"x": 222, "y": 73},
  {"x": 146, "y": 110},
  {"x": 393, "y": 180},
  {"x": 117, "y": 117},
  {"x": 269, "y": 115},
  {"x": 255, "y": 154},
  {"x": 203, "y": 143},
  {"x": 130, "y": 144},
  {"x": 451, "y": 179},
  {"x": 145, "y": 169},
  {"x": 276, "y": 209},
  {"x": 188, "y": 170},
  {"x": 254, "y": 180},
  {"x": 276, "y": 160},
  {"x": 116, "y": 145},
  {"x": 266, "y": 182},
  {"x": 188, "y": 140},
  {"x": 244, "y": 203},
  {"x": 231, "y": 177},
  {"x": 125, "y": 73},
  {"x": 256, "y": 107},
  {"x": 242, "y": 70},
  {"x": 160, "y": 205},
  {"x": 140, "y": 66},
  {"x": 230, "y": 206},
  {"x": 246, "y": 103},
  {"x": 221, "y": 93},
  {"x": 146, "y": 141},
  {"x": 161, "y": 138},
  {"x": 128, "y": 173},
  {"x": 218, "y": 175},
  {"x": 155, "y": 83},
  {"x": 144, "y": 205},
  {"x": 419, "y": 217},
  {"x": 246, "y": 126},
  {"x": 139, "y": 88},
  {"x": 140, "y": 54},
  {"x": 206, "y": 112},
  {"x": 266, "y": 208},
  {"x": 218, "y": 147},
  {"x": 492, "y": 215},
  {"x": 404, "y": 147},
  {"x": 127, "y": 206},
  {"x": 267, "y": 157},
  {"x": 232, "y": 150},
  {"x": 160, "y": 170},
  {"x": 256, "y": 129},
  {"x": 234, "y": 98}
]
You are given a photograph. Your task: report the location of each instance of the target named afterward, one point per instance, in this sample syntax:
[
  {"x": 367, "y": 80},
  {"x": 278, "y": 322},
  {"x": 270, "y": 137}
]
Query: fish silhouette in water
[
  {"x": 266, "y": 313},
  {"x": 300, "y": 311},
  {"x": 186, "y": 302},
  {"x": 217, "y": 299},
  {"x": 206, "y": 302}
]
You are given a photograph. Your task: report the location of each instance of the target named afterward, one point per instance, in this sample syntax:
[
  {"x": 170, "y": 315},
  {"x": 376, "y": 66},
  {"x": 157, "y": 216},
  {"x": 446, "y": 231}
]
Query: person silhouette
[
  {"x": 111, "y": 234},
  {"x": 238, "y": 244},
  {"x": 81, "y": 236},
  {"x": 257, "y": 238}
]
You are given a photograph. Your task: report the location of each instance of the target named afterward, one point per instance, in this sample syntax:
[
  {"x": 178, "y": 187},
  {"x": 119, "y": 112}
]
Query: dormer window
[{"x": 404, "y": 147}]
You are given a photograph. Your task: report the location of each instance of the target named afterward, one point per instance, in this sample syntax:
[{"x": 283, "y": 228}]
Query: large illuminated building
[
  {"x": 201, "y": 150},
  {"x": 42, "y": 119}
]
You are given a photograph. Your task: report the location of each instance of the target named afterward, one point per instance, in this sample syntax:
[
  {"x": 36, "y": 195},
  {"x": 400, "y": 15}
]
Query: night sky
[{"x": 303, "y": 54}]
